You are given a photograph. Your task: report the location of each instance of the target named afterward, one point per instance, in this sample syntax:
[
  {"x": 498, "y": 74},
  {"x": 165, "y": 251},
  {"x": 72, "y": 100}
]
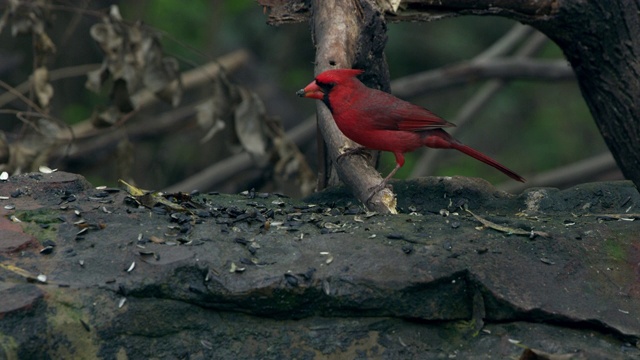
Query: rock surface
[{"x": 89, "y": 273}]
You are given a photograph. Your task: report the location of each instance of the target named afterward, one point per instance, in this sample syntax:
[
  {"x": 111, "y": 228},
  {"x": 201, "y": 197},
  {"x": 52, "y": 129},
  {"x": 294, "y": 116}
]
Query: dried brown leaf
[
  {"x": 42, "y": 87},
  {"x": 134, "y": 59},
  {"x": 250, "y": 123},
  {"x": 207, "y": 119}
]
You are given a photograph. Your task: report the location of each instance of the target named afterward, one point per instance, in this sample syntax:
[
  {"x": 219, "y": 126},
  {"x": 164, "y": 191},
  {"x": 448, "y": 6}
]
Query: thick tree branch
[
  {"x": 338, "y": 30},
  {"x": 292, "y": 11}
]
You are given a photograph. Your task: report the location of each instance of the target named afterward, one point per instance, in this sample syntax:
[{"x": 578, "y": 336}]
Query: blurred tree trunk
[{"x": 600, "y": 38}]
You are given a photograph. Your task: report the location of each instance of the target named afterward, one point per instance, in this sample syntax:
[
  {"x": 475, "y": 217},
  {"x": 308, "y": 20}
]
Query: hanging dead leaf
[
  {"x": 26, "y": 17},
  {"x": 250, "y": 126},
  {"x": 207, "y": 119},
  {"x": 162, "y": 77},
  {"x": 134, "y": 60},
  {"x": 290, "y": 163},
  {"x": 42, "y": 87},
  {"x": 105, "y": 118},
  {"x": 34, "y": 148}
]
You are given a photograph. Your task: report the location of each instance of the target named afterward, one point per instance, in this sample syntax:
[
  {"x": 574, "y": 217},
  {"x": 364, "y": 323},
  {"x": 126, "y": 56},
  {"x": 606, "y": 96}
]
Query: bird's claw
[{"x": 357, "y": 150}]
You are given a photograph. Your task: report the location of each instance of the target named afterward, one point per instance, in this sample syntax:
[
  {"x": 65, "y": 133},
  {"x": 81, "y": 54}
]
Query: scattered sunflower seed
[
  {"x": 235, "y": 269},
  {"x": 121, "y": 302},
  {"x": 329, "y": 259},
  {"x": 131, "y": 267},
  {"x": 547, "y": 261},
  {"x": 46, "y": 170},
  {"x": 42, "y": 278},
  {"x": 326, "y": 287},
  {"x": 4, "y": 176},
  {"x": 15, "y": 219},
  {"x": 206, "y": 344},
  {"x": 46, "y": 250},
  {"x": 10, "y": 207}
]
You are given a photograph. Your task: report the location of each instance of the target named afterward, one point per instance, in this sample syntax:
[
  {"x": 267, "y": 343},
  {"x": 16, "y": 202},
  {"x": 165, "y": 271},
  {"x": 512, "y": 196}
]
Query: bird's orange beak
[{"x": 312, "y": 91}]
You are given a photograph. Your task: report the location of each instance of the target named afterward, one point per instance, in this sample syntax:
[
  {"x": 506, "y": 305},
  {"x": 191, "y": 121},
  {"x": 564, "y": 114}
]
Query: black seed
[
  {"x": 291, "y": 279},
  {"x": 407, "y": 248},
  {"x": 85, "y": 325},
  {"x": 242, "y": 241},
  {"x": 246, "y": 261},
  {"x": 46, "y": 250},
  {"x": 203, "y": 213},
  {"x": 395, "y": 236},
  {"x": 49, "y": 243},
  {"x": 308, "y": 275},
  {"x": 101, "y": 194}
]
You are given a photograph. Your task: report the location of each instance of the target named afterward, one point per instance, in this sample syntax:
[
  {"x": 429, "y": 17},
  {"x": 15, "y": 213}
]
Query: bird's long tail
[{"x": 441, "y": 139}]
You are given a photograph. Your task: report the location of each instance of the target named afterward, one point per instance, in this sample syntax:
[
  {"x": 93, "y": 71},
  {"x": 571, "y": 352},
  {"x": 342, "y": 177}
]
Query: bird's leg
[
  {"x": 383, "y": 184},
  {"x": 350, "y": 151}
]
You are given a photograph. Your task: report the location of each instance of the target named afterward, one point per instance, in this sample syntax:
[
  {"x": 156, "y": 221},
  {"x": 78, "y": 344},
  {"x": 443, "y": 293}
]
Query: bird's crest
[{"x": 337, "y": 76}]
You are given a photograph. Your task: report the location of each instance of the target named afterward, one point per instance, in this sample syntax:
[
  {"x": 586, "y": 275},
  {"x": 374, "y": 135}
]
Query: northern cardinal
[{"x": 380, "y": 121}]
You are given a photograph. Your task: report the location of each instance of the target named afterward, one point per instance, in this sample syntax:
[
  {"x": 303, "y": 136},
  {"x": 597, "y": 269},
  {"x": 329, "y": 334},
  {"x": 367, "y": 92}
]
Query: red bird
[{"x": 380, "y": 121}]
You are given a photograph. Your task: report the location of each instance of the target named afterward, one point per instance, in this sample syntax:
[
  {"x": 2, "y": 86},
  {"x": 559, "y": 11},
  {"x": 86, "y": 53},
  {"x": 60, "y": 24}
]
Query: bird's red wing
[
  {"x": 411, "y": 117},
  {"x": 391, "y": 113}
]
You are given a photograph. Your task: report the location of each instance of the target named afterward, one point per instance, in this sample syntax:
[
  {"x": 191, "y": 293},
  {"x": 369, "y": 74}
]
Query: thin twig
[{"x": 54, "y": 75}]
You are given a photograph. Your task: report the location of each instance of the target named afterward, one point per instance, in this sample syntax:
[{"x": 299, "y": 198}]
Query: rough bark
[
  {"x": 601, "y": 40},
  {"x": 350, "y": 34}
]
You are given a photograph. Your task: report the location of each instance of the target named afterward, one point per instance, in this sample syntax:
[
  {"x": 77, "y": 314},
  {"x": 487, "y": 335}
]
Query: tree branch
[
  {"x": 566, "y": 175},
  {"x": 472, "y": 71},
  {"x": 293, "y": 11},
  {"x": 338, "y": 27}
]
